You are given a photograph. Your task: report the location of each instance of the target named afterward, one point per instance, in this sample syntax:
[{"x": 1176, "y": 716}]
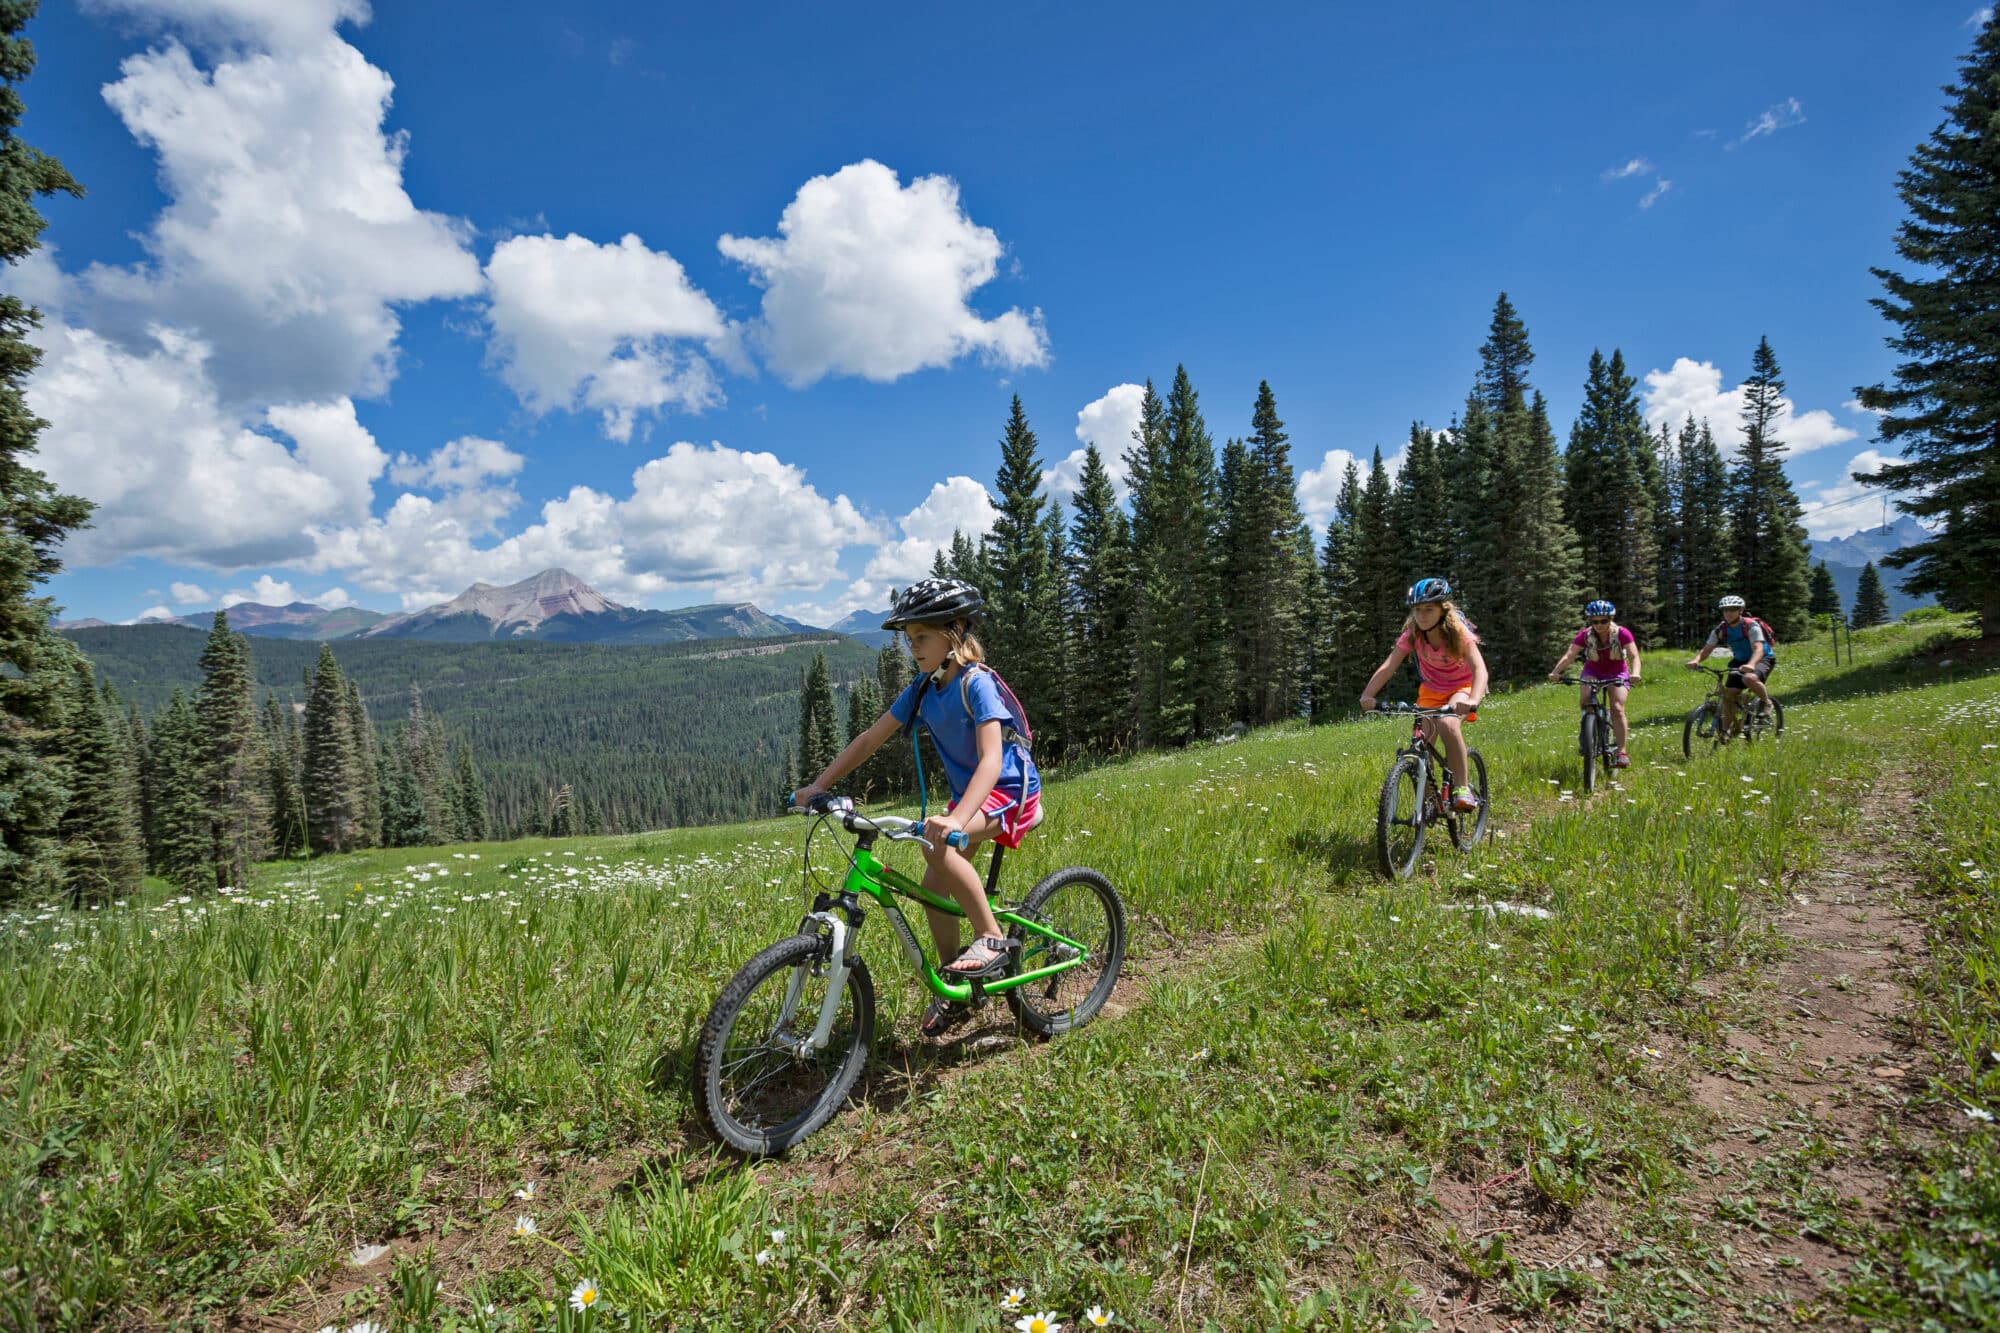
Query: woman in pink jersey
[
  {"x": 1451, "y": 673},
  {"x": 1609, "y": 653}
]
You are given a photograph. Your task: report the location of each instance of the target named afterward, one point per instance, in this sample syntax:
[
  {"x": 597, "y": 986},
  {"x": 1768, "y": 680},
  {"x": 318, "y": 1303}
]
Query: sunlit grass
[{"x": 216, "y": 1099}]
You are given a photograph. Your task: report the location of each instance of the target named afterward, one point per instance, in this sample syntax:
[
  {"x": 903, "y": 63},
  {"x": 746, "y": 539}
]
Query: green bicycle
[{"x": 790, "y": 1034}]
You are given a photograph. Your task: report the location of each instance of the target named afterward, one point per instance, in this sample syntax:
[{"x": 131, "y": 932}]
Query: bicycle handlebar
[
  {"x": 893, "y": 827},
  {"x": 1409, "y": 710},
  {"x": 1600, "y": 683}
]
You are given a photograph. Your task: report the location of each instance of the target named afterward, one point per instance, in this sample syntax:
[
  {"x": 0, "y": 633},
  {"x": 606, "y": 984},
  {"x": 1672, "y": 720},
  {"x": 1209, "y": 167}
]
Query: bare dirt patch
[{"x": 1813, "y": 1084}]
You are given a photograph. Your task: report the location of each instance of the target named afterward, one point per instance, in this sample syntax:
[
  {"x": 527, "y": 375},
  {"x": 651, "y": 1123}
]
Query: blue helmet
[
  {"x": 1427, "y": 590},
  {"x": 1600, "y": 607}
]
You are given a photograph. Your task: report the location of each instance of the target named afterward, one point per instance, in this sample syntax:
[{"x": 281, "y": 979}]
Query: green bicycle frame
[{"x": 867, "y": 875}]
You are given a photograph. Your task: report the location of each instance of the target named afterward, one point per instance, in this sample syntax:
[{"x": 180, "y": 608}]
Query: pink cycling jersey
[{"x": 1603, "y": 661}]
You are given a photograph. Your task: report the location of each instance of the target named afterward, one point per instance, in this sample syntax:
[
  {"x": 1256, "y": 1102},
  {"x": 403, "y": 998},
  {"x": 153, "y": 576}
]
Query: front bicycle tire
[
  {"x": 750, "y": 1086},
  {"x": 1587, "y": 743},
  {"x": 1777, "y": 719},
  {"x": 1462, "y": 837},
  {"x": 1704, "y": 723},
  {"x": 1079, "y": 904},
  {"x": 1399, "y": 817}
]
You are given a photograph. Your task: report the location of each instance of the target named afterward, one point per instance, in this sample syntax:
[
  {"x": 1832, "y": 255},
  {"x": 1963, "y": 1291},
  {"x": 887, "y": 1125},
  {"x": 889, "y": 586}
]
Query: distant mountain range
[
  {"x": 554, "y": 606},
  {"x": 1870, "y": 543},
  {"x": 1844, "y": 557},
  {"x": 867, "y": 627}
]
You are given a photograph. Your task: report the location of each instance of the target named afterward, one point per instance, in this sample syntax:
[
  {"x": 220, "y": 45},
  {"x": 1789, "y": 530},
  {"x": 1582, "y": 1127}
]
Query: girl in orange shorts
[{"x": 1450, "y": 670}]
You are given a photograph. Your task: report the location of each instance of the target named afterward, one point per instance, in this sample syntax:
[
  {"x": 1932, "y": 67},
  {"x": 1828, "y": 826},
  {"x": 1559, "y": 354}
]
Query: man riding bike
[{"x": 1752, "y": 658}]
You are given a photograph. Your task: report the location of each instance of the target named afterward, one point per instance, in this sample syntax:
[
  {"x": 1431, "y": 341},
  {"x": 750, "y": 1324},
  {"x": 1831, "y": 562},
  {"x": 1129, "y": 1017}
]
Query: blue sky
[{"x": 365, "y": 307}]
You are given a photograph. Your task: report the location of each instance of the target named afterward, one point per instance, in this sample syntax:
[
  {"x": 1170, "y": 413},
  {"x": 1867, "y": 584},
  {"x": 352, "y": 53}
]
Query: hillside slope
[{"x": 657, "y": 736}]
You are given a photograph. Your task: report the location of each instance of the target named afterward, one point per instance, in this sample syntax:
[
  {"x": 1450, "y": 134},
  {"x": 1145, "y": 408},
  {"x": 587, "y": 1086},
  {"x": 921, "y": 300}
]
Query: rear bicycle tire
[
  {"x": 756, "y": 1096},
  {"x": 1463, "y": 838},
  {"x": 1399, "y": 817},
  {"x": 1081, "y": 904}
]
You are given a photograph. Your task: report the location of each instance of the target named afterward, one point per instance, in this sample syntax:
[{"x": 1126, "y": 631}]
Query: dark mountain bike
[
  {"x": 1595, "y": 739},
  {"x": 1417, "y": 793},
  {"x": 1704, "y": 721},
  {"x": 790, "y": 1034}
]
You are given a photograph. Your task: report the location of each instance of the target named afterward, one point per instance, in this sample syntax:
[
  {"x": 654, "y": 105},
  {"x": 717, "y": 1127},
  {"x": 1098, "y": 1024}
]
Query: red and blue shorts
[{"x": 1014, "y": 814}]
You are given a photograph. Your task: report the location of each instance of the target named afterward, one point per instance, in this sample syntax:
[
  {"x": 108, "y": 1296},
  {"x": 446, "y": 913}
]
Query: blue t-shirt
[{"x": 956, "y": 734}]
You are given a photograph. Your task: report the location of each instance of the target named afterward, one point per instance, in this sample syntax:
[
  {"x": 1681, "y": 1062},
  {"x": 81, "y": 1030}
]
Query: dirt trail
[
  {"x": 1818, "y": 1069},
  {"x": 1819, "y": 1075}
]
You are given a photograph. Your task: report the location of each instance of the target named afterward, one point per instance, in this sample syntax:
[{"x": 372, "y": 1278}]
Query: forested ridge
[{"x": 647, "y": 736}]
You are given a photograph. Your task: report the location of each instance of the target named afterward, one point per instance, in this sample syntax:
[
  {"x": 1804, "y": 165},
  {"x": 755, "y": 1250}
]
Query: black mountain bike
[
  {"x": 1417, "y": 793},
  {"x": 1595, "y": 739},
  {"x": 1704, "y": 722}
]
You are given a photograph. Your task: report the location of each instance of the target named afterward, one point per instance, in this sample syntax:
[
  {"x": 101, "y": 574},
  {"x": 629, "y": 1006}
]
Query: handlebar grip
[{"x": 957, "y": 839}]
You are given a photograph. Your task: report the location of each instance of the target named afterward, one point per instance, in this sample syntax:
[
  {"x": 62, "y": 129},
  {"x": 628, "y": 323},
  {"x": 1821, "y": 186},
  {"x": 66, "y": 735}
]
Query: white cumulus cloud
[
  {"x": 177, "y": 477},
  {"x": 873, "y": 278},
  {"x": 189, "y": 594},
  {"x": 1694, "y": 388},
  {"x": 266, "y": 591},
  {"x": 1636, "y": 166},
  {"x": 288, "y": 240},
  {"x": 615, "y": 329},
  {"x": 705, "y": 520},
  {"x": 1844, "y": 506},
  {"x": 1109, "y": 423},
  {"x": 1319, "y": 487}
]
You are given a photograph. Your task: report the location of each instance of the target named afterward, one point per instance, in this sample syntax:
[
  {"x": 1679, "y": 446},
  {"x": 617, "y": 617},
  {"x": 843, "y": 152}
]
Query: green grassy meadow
[{"x": 1311, "y": 1078}]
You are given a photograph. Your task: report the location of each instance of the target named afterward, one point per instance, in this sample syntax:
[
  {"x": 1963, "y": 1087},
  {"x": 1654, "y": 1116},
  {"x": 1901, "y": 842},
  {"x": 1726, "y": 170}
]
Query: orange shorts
[{"x": 1430, "y": 698}]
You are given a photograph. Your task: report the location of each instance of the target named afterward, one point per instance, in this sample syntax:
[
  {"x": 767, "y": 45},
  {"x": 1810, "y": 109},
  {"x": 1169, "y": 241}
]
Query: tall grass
[{"x": 211, "y": 1101}]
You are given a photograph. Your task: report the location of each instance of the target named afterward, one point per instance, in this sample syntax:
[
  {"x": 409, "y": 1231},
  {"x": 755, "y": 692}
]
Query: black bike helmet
[
  {"x": 1427, "y": 590},
  {"x": 934, "y": 602}
]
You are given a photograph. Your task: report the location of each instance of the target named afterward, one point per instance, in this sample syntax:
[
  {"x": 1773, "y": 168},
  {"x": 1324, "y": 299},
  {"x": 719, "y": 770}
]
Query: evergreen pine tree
[
  {"x": 1100, "y": 576},
  {"x": 1424, "y": 509},
  {"x": 1054, "y": 710},
  {"x": 403, "y": 821},
  {"x": 469, "y": 797},
  {"x": 1477, "y": 528},
  {"x": 1870, "y": 606},
  {"x": 1770, "y": 544},
  {"x": 332, "y": 770},
  {"x": 1536, "y": 576},
  {"x": 1610, "y": 477},
  {"x": 1277, "y": 572},
  {"x": 1504, "y": 359},
  {"x": 895, "y": 762},
  {"x": 235, "y": 785},
  {"x": 819, "y": 728},
  {"x": 1377, "y": 590},
  {"x": 1670, "y": 559},
  {"x": 1190, "y": 575},
  {"x": 1824, "y": 599},
  {"x": 864, "y": 705},
  {"x": 1236, "y": 549},
  {"x": 367, "y": 775},
  {"x": 34, "y": 517},
  {"x": 1019, "y": 627},
  {"x": 184, "y": 838},
  {"x": 282, "y": 772},
  {"x": 1706, "y": 537},
  {"x": 100, "y": 845},
  {"x": 1943, "y": 410},
  {"x": 1147, "y": 474},
  {"x": 1343, "y": 655}
]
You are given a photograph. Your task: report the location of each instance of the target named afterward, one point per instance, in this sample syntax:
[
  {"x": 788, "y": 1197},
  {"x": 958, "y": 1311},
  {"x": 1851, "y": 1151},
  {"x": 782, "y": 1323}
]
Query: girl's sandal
[
  {"x": 942, "y": 1017},
  {"x": 987, "y": 955}
]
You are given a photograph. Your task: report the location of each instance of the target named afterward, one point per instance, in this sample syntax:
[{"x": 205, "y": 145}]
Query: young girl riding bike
[
  {"x": 1609, "y": 652},
  {"x": 1450, "y": 669},
  {"x": 995, "y": 788}
]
